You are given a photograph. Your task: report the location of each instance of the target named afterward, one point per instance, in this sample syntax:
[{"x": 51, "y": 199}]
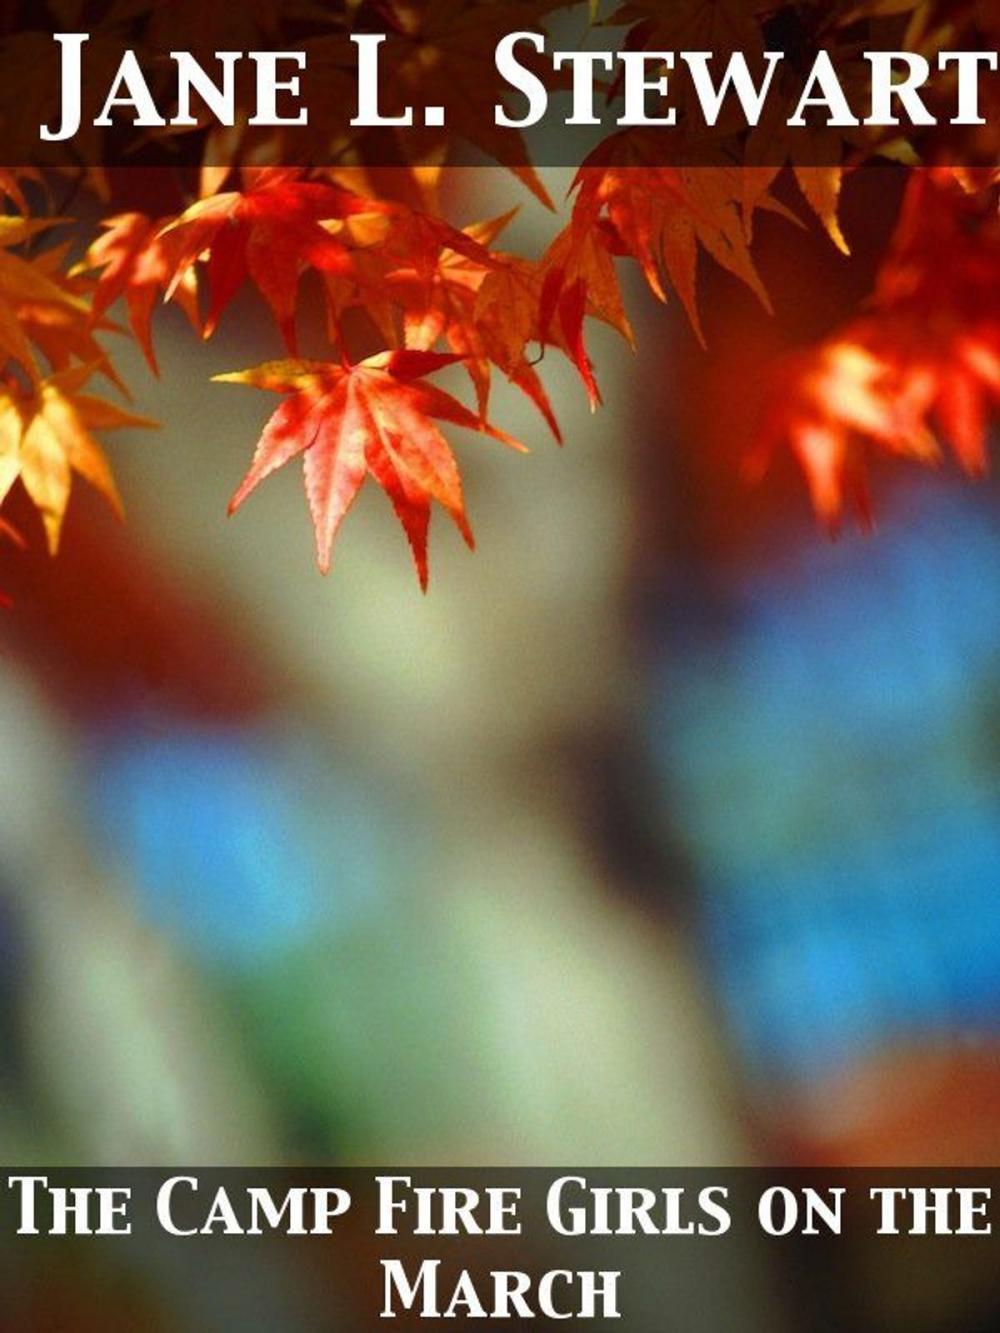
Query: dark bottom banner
[{"x": 651, "y": 1251}]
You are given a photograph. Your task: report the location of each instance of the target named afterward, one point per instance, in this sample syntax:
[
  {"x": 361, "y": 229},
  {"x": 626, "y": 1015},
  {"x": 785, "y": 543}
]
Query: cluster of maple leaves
[{"x": 919, "y": 366}]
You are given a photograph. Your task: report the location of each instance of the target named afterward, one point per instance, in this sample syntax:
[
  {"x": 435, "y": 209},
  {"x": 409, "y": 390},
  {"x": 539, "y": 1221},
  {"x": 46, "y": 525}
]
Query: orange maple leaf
[
  {"x": 828, "y": 403},
  {"x": 47, "y": 434},
  {"x": 659, "y": 216},
  {"x": 269, "y": 231},
  {"x": 25, "y": 282},
  {"x": 396, "y": 252},
  {"x": 135, "y": 262},
  {"x": 579, "y": 279},
  {"x": 65, "y": 333},
  {"x": 662, "y": 216},
  {"x": 923, "y": 361},
  {"x": 348, "y": 421},
  {"x": 443, "y": 305},
  {"x": 934, "y": 312},
  {"x": 950, "y": 373}
]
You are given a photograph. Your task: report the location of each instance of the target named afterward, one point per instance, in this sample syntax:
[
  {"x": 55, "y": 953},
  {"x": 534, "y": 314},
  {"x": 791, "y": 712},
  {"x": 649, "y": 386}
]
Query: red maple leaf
[
  {"x": 269, "y": 231},
  {"x": 349, "y": 421},
  {"x": 136, "y": 263},
  {"x": 830, "y": 404},
  {"x": 442, "y": 304},
  {"x": 922, "y": 365}
]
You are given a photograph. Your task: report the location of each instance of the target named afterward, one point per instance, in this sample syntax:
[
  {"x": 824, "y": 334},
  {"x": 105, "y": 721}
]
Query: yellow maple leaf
[{"x": 46, "y": 434}]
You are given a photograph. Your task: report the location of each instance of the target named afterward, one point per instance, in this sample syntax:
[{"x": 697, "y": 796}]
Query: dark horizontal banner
[
  {"x": 532, "y": 83},
  {"x": 644, "y": 1250}
]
